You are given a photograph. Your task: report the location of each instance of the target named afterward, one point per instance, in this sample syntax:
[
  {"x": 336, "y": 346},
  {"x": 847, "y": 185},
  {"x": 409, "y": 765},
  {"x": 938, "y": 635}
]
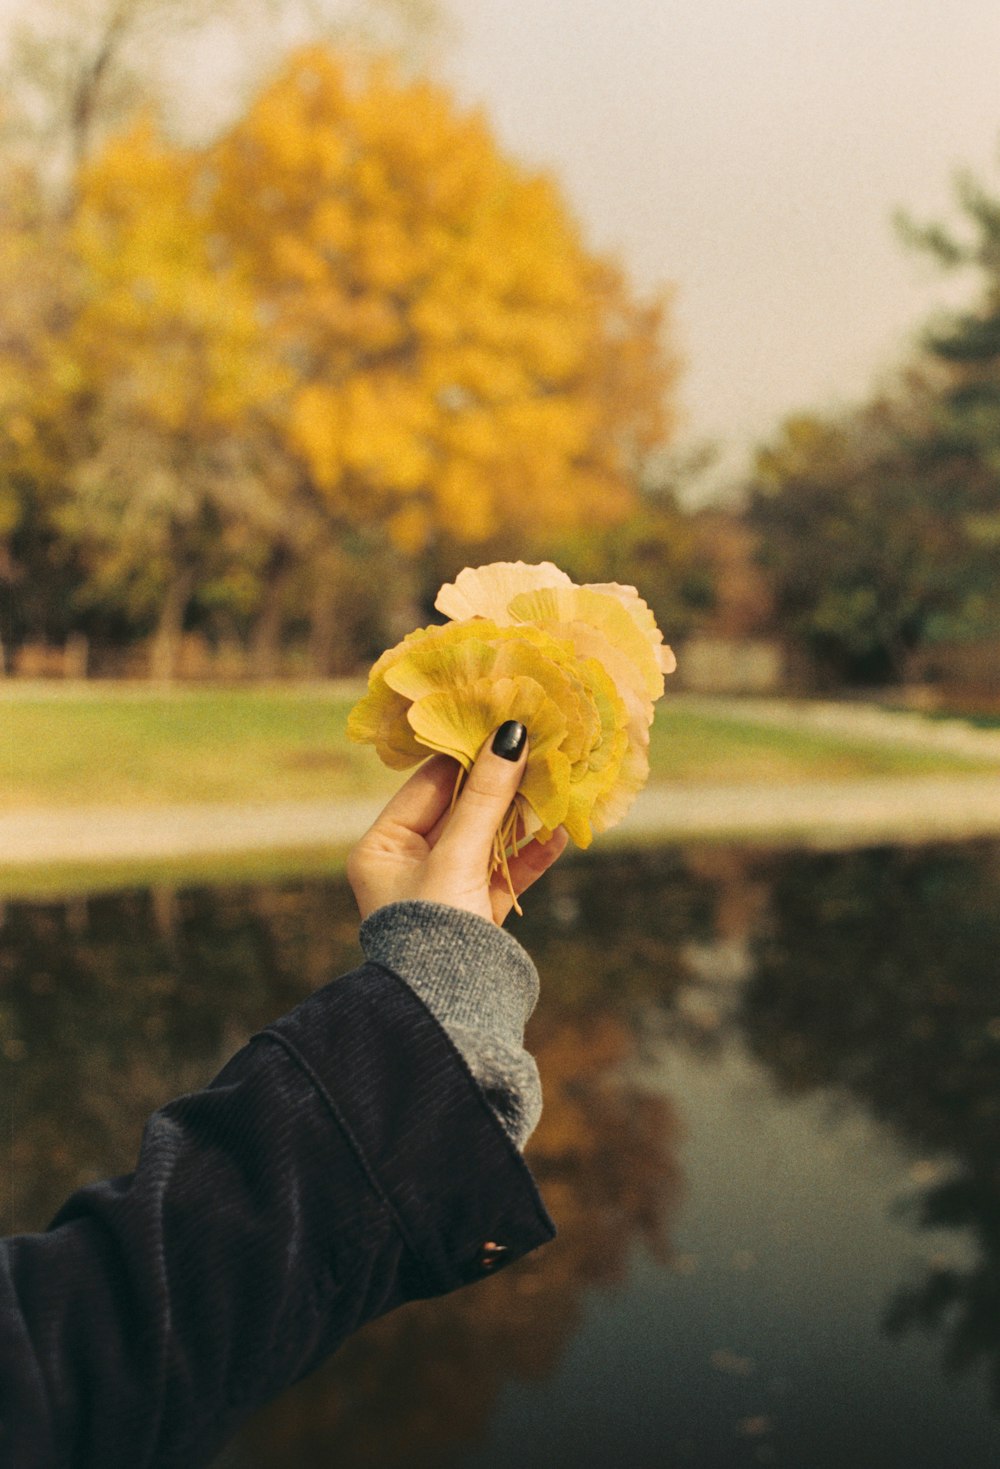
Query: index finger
[
  {"x": 492, "y": 783},
  {"x": 418, "y": 805}
]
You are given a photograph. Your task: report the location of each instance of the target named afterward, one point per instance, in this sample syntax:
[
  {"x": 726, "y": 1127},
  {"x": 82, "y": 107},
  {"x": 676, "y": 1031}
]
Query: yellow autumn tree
[
  {"x": 461, "y": 360},
  {"x": 350, "y": 316},
  {"x": 39, "y": 291},
  {"x": 31, "y": 289},
  {"x": 160, "y": 370}
]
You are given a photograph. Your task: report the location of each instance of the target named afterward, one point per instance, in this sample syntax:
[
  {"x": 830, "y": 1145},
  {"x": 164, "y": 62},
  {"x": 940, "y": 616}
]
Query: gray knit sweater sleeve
[{"x": 480, "y": 985}]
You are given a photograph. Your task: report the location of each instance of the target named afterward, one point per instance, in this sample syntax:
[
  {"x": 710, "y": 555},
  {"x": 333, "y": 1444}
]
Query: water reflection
[
  {"x": 879, "y": 972},
  {"x": 870, "y": 976},
  {"x": 111, "y": 1005},
  {"x": 416, "y": 1387}
]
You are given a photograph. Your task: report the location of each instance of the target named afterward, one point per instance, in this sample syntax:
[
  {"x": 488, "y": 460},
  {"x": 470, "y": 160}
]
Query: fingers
[
  {"x": 419, "y": 804},
  {"x": 491, "y": 786},
  {"x": 535, "y": 859}
]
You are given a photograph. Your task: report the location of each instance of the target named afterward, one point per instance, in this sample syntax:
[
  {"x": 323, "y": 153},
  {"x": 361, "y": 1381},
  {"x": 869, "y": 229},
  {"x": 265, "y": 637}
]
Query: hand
[{"x": 419, "y": 849}]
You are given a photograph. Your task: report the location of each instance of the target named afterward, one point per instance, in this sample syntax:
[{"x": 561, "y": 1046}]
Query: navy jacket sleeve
[{"x": 340, "y": 1164}]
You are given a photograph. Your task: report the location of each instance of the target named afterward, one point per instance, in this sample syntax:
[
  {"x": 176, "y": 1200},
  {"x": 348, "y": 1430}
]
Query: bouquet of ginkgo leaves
[{"x": 579, "y": 666}]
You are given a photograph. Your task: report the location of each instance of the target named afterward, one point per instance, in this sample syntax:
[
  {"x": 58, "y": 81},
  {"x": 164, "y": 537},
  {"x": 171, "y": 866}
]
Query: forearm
[
  {"x": 480, "y": 984},
  {"x": 340, "y": 1164}
]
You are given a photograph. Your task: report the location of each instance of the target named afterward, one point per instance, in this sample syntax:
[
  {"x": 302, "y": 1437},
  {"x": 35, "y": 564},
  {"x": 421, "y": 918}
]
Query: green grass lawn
[
  {"x": 136, "y": 747},
  {"x": 695, "y": 747}
]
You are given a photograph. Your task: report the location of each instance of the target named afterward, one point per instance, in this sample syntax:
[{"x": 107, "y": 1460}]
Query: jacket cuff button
[{"x": 491, "y": 1254}]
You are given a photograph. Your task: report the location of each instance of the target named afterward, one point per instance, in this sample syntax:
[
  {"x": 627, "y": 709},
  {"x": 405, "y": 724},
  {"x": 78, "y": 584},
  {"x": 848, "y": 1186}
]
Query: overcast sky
[{"x": 752, "y": 152}]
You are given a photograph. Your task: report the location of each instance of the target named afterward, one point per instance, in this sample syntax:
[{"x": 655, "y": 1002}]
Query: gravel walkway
[
  {"x": 823, "y": 813},
  {"x": 112, "y": 833},
  {"x": 816, "y": 813}
]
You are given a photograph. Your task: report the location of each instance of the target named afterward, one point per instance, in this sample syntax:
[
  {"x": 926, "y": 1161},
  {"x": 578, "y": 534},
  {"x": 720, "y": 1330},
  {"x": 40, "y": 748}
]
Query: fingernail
[{"x": 508, "y": 742}]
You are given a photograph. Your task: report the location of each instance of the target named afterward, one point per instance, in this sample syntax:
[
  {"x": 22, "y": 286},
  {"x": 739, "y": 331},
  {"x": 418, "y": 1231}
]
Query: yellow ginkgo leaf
[
  {"x": 642, "y": 615},
  {"x": 379, "y": 719},
  {"x": 564, "y": 606},
  {"x": 487, "y": 591}
]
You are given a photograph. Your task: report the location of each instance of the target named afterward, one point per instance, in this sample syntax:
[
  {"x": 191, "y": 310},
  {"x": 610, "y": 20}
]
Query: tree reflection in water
[
  {"x": 418, "y": 1386},
  {"x": 879, "y": 973},
  {"x": 873, "y": 973},
  {"x": 110, "y": 1006}
]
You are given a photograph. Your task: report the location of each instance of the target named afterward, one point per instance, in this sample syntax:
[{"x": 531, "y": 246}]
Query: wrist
[{"x": 467, "y": 970}]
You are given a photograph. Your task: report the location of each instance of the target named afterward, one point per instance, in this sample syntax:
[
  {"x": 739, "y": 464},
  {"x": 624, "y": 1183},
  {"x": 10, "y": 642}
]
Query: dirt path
[
  {"x": 824, "y": 813},
  {"x": 111, "y": 833},
  {"x": 817, "y": 813}
]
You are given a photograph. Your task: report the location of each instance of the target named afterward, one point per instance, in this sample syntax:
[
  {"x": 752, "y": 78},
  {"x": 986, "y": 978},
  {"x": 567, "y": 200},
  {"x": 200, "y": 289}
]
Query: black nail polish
[{"x": 508, "y": 742}]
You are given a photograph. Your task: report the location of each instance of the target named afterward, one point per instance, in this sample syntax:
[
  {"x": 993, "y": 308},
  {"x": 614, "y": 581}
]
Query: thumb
[{"x": 486, "y": 795}]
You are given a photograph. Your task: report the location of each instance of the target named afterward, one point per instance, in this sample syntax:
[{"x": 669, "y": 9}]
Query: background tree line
[
  {"x": 879, "y": 527},
  {"x": 276, "y": 385},
  {"x": 271, "y": 386}
]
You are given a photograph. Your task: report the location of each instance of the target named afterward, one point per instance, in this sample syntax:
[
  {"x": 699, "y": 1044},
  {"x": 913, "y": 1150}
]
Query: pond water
[{"x": 771, "y": 1145}]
